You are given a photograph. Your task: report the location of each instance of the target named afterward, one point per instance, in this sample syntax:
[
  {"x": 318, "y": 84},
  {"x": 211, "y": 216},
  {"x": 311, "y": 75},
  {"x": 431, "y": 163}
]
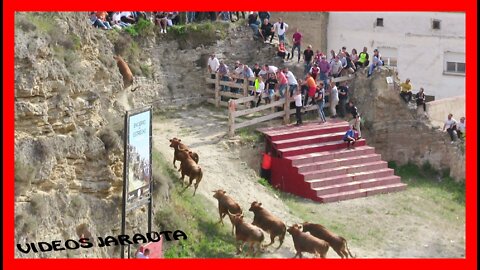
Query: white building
[{"x": 427, "y": 47}]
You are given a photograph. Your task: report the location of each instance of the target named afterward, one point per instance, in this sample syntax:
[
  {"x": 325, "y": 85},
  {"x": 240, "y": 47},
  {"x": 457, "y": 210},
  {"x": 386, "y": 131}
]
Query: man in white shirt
[
  {"x": 333, "y": 99},
  {"x": 298, "y": 106},
  {"x": 292, "y": 81},
  {"x": 280, "y": 28},
  {"x": 213, "y": 65},
  {"x": 271, "y": 69},
  {"x": 461, "y": 128},
  {"x": 451, "y": 126}
]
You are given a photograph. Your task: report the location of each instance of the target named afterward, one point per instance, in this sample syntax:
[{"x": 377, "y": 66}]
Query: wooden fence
[{"x": 239, "y": 104}]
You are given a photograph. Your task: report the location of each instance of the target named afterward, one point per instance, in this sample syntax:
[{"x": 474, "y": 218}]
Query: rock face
[{"x": 401, "y": 134}]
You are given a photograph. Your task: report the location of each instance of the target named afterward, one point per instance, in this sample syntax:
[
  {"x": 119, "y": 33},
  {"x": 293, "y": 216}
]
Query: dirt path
[{"x": 388, "y": 225}]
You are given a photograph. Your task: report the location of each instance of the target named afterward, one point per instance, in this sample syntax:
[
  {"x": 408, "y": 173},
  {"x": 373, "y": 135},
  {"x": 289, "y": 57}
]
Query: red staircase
[{"x": 312, "y": 161}]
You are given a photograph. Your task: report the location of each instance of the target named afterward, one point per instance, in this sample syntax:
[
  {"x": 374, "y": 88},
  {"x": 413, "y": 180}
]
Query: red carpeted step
[
  {"x": 347, "y": 195},
  {"x": 384, "y": 181},
  {"x": 302, "y": 131},
  {"x": 345, "y": 178},
  {"x": 338, "y": 162},
  {"x": 327, "y": 155},
  {"x": 317, "y": 147},
  {"x": 376, "y": 165},
  {"x": 337, "y": 136}
]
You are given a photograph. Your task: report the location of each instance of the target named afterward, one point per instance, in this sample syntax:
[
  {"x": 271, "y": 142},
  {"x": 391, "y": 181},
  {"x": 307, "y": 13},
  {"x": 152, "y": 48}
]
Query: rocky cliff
[{"x": 400, "y": 133}]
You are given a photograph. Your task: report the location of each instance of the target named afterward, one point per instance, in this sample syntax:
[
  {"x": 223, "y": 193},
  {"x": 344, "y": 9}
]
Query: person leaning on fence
[
  {"x": 213, "y": 65},
  {"x": 223, "y": 75},
  {"x": 259, "y": 89},
  {"x": 292, "y": 81},
  {"x": 349, "y": 137},
  {"x": 312, "y": 88}
]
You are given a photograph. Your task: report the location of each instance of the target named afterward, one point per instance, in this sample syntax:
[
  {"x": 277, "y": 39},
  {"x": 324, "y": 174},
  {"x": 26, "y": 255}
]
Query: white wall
[
  {"x": 420, "y": 49},
  {"x": 438, "y": 110}
]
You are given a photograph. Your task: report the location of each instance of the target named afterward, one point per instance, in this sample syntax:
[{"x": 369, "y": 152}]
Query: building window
[
  {"x": 455, "y": 67},
  {"x": 436, "y": 24},
  {"x": 379, "y": 22},
  {"x": 389, "y": 61}
]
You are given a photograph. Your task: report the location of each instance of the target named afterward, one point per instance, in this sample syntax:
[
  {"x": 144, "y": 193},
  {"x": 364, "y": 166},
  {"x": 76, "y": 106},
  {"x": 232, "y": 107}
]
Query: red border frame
[{"x": 469, "y": 7}]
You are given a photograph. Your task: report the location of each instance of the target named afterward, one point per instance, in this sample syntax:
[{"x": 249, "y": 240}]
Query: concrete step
[
  {"x": 350, "y": 186},
  {"x": 338, "y": 162},
  {"x": 364, "y": 167},
  {"x": 346, "y": 178},
  {"x": 348, "y": 195},
  {"x": 328, "y": 155},
  {"x": 318, "y": 147},
  {"x": 311, "y": 130},
  {"x": 309, "y": 140}
]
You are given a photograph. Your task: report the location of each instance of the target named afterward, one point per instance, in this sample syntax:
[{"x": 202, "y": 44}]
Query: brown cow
[
  {"x": 177, "y": 146},
  {"x": 225, "y": 205},
  {"x": 126, "y": 72},
  {"x": 268, "y": 222},
  {"x": 304, "y": 242},
  {"x": 246, "y": 232},
  {"x": 190, "y": 168},
  {"x": 338, "y": 243}
]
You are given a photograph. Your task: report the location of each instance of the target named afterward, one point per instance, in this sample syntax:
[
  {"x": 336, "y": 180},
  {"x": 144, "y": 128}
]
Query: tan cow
[
  {"x": 225, "y": 205},
  {"x": 268, "y": 222},
  {"x": 246, "y": 233},
  {"x": 338, "y": 243},
  {"x": 190, "y": 168},
  {"x": 177, "y": 145},
  {"x": 305, "y": 242},
  {"x": 125, "y": 71}
]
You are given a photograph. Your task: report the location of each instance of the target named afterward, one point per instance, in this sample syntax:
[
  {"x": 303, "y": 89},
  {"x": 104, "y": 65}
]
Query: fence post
[
  {"x": 217, "y": 89},
  {"x": 286, "y": 109},
  {"x": 231, "y": 117}
]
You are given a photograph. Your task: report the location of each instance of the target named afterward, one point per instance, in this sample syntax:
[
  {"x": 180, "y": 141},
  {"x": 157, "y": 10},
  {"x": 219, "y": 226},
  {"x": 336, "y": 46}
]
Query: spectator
[
  {"x": 282, "y": 83},
  {"x": 266, "y": 166},
  {"x": 161, "y": 20},
  {"x": 271, "y": 84},
  {"x": 332, "y": 57},
  {"x": 292, "y": 81},
  {"x": 271, "y": 69},
  {"x": 308, "y": 57},
  {"x": 324, "y": 69},
  {"x": 334, "y": 99},
  {"x": 264, "y": 15},
  {"x": 355, "y": 122},
  {"x": 298, "y": 107},
  {"x": 336, "y": 67},
  {"x": 354, "y": 56},
  {"x": 259, "y": 89},
  {"x": 461, "y": 128},
  {"x": 253, "y": 23},
  {"x": 256, "y": 69},
  {"x": 142, "y": 253},
  {"x": 312, "y": 87},
  {"x": 406, "y": 90},
  {"x": 317, "y": 57},
  {"x": 342, "y": 97},
  {"x": 314, "y": 71},
  {"x": 280, "y": 28},
  {"x": 350, "y": 68},
  {"x": 343, "y": 59},
  {"x": 213, "y": 65},
  {"x": 266, "y": 30},
  {"x": 376, "y": 62},
  {"x": 282, "y": 51},
  {"x": 297, "y": 43},
  {"x": 420, "y": 99},
  {"x": 349, "y": 137},
  {"x": 127, "y": 17},
  {"x": 363, "y": 58},
  {"x": 223, "y": 73},
  {"x": 173, "y": 18},
  {"x": 96, "y": 22},
  {"x": 102, "y": 16},
  {"x": 248, "y": 74},
  {"x": 190, "y": 17},
  {"x": 224, "y": 16},
  {"x": 320, "y": 100},
  {"x": 117, "y": 22},
  {"x": 451, "y": 126}
]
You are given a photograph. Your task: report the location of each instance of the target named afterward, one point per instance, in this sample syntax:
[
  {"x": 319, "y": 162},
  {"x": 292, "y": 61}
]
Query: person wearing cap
[
  {"x": 213, "y": 65},
  {"x": 297, "y": 43},
  {"x": 308, "y": 57},
  {"x": 376, "y": 62}
]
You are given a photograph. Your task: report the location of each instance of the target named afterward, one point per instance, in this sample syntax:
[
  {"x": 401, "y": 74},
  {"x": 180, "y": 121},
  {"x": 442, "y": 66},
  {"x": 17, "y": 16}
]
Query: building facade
[{"x": 427, "y": 47}]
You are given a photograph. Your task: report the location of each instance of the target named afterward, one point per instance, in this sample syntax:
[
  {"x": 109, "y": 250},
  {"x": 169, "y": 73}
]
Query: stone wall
[
  {"x": 439, "y": 109},
  {"x": 398, "y": 132}
]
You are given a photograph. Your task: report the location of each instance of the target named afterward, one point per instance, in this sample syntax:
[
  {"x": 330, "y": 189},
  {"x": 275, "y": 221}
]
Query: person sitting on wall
[
  {"x": 420, "y": 99},
  {"x": 461, "y": 128},
  {"x": 406, "y": 90},
  {"x": 349, "y": 137},
  {"x": 266, "y": 30},
  {"x": 282, "y": 51}
]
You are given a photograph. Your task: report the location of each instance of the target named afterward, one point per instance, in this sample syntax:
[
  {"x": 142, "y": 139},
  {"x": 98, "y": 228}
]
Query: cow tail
[
  {"x": 195, "y": 157},
  {"x": 346, "y": 246}
]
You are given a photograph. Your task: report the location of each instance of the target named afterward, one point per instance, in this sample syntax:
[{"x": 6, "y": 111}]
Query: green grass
[
  {"x": 196, "y": 216},
  {"x": 249, "y": 135}
]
